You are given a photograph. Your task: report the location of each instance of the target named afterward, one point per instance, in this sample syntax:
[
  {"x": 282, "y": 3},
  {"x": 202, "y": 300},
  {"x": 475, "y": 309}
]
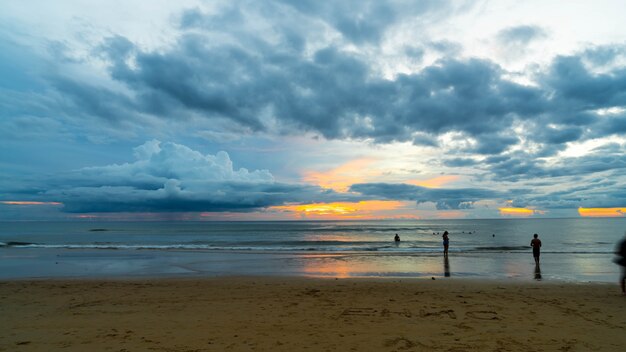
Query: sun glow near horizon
[
  {"x": 602, "y": 212},
  {"x": 363, "y": 210},
  {"x": 519, "y": 212},
  {"x": 342, "y": 177},
  {"x": 22, "y": 202}
]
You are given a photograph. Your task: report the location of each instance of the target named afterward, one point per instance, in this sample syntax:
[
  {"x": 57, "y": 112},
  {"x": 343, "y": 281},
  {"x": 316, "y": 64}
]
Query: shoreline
[
  {"x": 243, "y": 313},
  {"x": 28, "y": 263}
]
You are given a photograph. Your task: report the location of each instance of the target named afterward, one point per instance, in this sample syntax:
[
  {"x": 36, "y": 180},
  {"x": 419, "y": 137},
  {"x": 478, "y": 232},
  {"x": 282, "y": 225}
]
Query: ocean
[{"x": 579, "y": 249}]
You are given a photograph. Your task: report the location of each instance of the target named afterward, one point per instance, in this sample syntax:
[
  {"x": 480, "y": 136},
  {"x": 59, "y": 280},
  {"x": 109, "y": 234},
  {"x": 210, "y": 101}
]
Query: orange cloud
[
  {"x": 602, "y": 212},
  {"x": 510, "y": 211},
  {"x": 22, "y": 202},
  {"x": 342, "y": 177},
  {"x": 435, "y": 182},
  {"x": 370, "y": 209}
]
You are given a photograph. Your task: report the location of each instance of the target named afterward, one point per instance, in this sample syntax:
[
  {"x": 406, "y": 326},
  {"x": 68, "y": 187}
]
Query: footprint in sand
[
  {"x": 402, "y": 343},
  {"x": 483, "y": 315},
  {"x": 368, "y": 312},
  {"x": 404, "y": 313},
  {"x": 449, "y": 312}
]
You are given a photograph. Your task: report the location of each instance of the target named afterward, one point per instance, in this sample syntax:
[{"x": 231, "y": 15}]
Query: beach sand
[{"x": 296, "y": 314}]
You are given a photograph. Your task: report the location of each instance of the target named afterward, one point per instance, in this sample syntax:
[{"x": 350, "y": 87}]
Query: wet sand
[{"x": 295, "y": 314}]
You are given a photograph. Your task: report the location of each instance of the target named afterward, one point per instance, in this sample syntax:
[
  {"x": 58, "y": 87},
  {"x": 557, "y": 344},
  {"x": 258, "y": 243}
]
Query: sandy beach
[{"x": 295, "y": 314}]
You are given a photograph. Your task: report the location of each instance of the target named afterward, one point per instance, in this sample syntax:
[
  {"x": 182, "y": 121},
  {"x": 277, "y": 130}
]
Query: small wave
[
  {"x": 336, "y": 247},
  {"x": 16, "y": 244}
]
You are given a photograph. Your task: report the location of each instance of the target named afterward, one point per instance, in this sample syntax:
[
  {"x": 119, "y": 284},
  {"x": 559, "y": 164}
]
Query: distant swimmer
[
  {"x": 536, "y": 244},
  {"x": 397, "y": 238},
  {"x": 446, "y": 242}
]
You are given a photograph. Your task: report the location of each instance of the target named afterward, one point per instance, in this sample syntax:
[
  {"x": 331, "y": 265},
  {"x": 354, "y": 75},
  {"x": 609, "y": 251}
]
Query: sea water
[{"x": 578, "y": 249}]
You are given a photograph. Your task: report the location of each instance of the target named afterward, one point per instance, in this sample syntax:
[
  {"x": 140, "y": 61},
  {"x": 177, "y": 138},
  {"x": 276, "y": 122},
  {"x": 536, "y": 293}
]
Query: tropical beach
[
  {"x": 193, "y": 288},
  {"x": 289, "y": 175}
]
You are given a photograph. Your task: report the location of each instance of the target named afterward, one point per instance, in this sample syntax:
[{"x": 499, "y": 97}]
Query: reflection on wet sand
[
  {"x": 446, "y": 266},
  {"x": 366, "y": 264},
  {"x": 537, "y": 272}
]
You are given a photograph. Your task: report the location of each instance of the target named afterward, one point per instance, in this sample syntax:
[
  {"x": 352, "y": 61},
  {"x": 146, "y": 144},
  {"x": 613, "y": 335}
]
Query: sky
[{"x": 311, "y": 110}]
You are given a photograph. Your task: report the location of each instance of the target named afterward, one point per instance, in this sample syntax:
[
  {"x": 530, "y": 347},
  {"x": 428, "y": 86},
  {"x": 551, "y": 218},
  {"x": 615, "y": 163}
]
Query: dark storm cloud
[
  {"x": 84, "y": 99},
  {"x": 494, "y": 144},
  {"x": 332, "y": 93},
  {"x": 462, "y": 198},
  {"x": 574, "y": 84},
  {"x": 552, "y": 135},
  {"x": 169, "y": 177},
  {"x": 522, "y": 166},
  {"x": 615, "y": 125},
  {"x": 424, "y": 140},
  {"x": 172, "y": 197},
  {"x": 589, "y": 195},
  {"x": 460, "y": 162},
  {"x": 287, "y": 67}
]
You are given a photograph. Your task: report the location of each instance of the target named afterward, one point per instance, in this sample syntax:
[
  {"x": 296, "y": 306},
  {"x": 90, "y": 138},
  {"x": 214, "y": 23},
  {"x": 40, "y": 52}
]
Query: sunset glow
[
  {"x": 343, "y": 210},
  {"x": 341, "y": 178},
  {"x": 20, "y": 202},
  {"x": 435, "y": 182},
  {"x": 522, "y": 212},
  {"x": 602, "y": 212},
  {"x": 279, "y": 111}
]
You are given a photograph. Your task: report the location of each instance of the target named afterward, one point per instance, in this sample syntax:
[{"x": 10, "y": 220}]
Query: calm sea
[{"x": 573, "y": 249}]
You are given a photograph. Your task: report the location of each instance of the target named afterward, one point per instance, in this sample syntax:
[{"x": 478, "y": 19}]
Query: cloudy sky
[{"x": 312, "y": 109}]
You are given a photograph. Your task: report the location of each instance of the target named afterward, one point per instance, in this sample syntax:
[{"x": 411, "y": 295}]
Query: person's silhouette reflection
[
  {"x": 537, "y": 272},
  {"x": 446, "y": 266}
]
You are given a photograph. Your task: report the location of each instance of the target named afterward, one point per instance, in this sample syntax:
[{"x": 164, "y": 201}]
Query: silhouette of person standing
[
  {"x": 621, "y": 252},
  {"x": 446, "y": 242},
  {"x": 397, "y": 238},
  {"x": 536, "y": 244}
]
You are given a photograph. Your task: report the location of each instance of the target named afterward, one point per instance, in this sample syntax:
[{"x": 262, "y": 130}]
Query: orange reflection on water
[
  {"x": 335, "y": 268},
  {"x": 602, "y": 212},
  {"x": 346, "y": 266}
]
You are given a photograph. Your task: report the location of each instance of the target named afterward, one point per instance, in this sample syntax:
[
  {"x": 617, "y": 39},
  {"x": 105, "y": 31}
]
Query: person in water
[
  {"x": 536, "y": 244},
  {"x": 446, "y": 242},
  {"x": 397, "y": 238}
]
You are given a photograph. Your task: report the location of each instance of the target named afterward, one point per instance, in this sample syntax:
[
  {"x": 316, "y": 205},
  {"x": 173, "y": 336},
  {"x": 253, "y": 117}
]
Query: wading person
[
  {"x": 446, "y": 242},
  {"x": 536, "y": 244}
]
